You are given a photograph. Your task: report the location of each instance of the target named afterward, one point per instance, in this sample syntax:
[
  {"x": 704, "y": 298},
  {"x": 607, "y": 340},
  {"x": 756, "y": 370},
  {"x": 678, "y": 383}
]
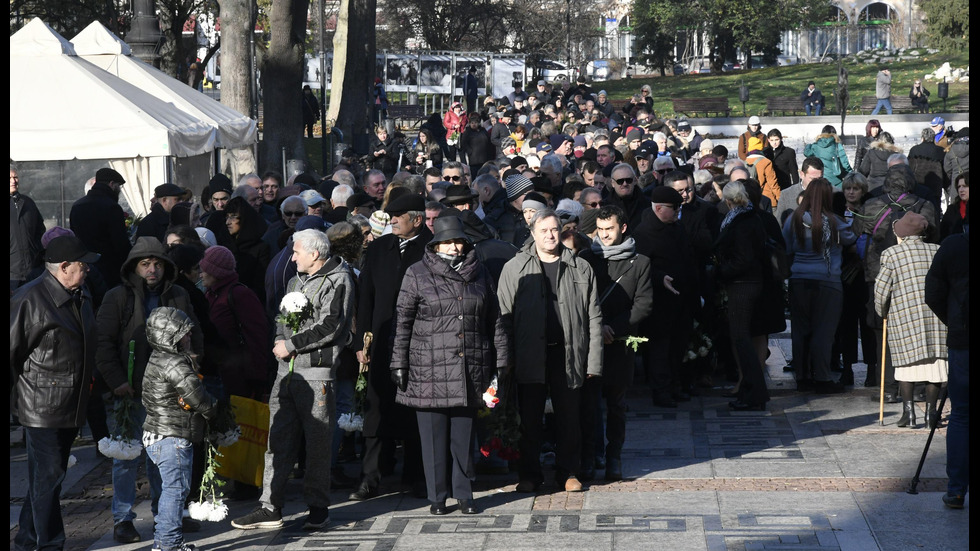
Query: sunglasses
[
  {"x": 453, "y": 178},
  {"x": 623, "y": 181},
  {"x": 293, "y": 213},
  {"x": 593, "y": 204}
]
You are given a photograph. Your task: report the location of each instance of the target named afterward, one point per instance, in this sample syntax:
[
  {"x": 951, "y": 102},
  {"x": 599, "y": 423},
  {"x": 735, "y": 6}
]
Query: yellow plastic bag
[{"x": 244, "y": 460}]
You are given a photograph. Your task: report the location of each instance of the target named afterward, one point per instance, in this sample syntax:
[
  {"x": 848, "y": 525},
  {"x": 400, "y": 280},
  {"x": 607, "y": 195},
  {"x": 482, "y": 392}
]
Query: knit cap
[
  {"x": 218, "y": 262},
  {"x": 379, "y": 221},
  {"x": 186, "y": 257},
  {"x": 517, "y": 185},
  {"x": 534, "y": 201}
]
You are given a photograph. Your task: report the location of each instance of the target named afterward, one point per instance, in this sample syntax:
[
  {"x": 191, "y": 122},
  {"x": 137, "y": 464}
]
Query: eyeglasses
[
  {"x": 624, "y": 181},
  {"x": 685, "y": 191},
  {"x": 293, "y": 213},
  {"x": 593, "y": 204},
  {"x": 270, "y": 186},
  {"x": 453, "y": 178}
]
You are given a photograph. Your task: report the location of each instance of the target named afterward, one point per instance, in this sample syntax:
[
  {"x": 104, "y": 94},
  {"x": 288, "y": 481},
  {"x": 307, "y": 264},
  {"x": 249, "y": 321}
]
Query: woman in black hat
[{"x": 449, "y": 342}]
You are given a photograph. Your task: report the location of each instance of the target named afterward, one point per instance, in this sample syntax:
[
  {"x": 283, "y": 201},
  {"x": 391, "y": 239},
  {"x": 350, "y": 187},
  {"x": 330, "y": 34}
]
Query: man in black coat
[
  {"x": 624, "y": 192},
  {"x": 385, "y": 262},
  {"x": 700, "y": 218},
  {"x": 926, "y": 161},
  {"x": 493, "y": 252},
  {"x": 155, "y": 223},
  {"x": 26, "y": 229},
  {"x": 99, "y": 221},
  {"x": 626, "y": 299},
  {"x": 675, "y": 277}
]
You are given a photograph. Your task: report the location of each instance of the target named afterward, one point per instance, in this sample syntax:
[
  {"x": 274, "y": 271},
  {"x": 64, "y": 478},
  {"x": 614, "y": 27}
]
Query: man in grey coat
[
  {"x": 302, "y": 403},
  {"x": 883, "y": 91},
  {"x": 547, "y": 283}
]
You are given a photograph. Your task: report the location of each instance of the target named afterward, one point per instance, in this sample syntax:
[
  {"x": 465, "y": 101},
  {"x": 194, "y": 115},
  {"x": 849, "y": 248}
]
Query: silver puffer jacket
[{"x": 170, "y": 377}]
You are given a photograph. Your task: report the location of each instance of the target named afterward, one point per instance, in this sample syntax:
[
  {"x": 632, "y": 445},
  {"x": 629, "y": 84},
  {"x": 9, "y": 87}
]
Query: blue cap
[{"x": 938, "y": 121}]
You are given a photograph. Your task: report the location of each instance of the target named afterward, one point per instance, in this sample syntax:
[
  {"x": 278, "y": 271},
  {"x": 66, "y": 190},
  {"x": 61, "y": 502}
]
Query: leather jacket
[{"x": 52, "y": 353}]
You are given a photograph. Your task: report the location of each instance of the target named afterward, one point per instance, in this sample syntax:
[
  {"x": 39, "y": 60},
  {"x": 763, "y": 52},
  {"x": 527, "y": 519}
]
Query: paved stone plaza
[{"x": 811, "y": 473}]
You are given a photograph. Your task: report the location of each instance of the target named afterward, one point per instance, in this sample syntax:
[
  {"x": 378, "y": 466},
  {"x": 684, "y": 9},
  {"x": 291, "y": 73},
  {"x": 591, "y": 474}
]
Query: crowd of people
[{"x": 548, "y": 244}]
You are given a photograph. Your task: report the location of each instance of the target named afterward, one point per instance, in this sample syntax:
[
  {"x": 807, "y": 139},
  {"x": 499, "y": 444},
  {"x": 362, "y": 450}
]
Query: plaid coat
[{"x": 915, "y": 334}]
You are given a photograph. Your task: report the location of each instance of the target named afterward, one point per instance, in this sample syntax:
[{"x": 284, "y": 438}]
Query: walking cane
[
  {"x": 932, "y": 431},
  {"x": 881, "y": 394}
]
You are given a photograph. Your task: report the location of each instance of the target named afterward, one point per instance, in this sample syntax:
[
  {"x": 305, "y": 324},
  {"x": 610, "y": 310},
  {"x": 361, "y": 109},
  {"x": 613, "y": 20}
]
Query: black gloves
[{"x": 400, "y": 378}]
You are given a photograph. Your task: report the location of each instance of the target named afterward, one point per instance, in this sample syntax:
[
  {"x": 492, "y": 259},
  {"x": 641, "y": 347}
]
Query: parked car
[{"x": 551, "y": 70}]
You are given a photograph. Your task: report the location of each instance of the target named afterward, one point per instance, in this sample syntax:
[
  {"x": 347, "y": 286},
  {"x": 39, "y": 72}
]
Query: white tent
[
  {"x": 98, "y": 45},
  {"x": 64, "y": 108}
]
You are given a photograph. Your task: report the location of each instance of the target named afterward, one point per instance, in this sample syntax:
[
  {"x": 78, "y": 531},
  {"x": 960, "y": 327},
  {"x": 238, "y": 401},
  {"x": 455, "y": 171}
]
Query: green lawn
[{"x": 790, "y": 81}]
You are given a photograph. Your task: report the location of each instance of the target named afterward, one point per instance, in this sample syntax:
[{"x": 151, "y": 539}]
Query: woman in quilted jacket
[{"x": 449, "y": 343}]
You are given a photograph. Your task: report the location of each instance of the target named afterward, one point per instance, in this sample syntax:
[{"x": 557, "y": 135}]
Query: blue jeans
[
  {"x": 173, "y": 458},
  {"x": 958, "y": 430},
  {"x": 886, "y": 103},
  {"x": 124, "y": 472},
  {"x": 815, "y": 108},
  {"x": 41, "y": 525}
]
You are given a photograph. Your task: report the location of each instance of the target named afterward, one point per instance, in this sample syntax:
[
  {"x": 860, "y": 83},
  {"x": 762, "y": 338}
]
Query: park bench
[
  {"x": 692, "y": 106},
  {"x": 412, "y": 114},
  {"x": 899, "y": 103},
  {"x": 793, "y": 104}
]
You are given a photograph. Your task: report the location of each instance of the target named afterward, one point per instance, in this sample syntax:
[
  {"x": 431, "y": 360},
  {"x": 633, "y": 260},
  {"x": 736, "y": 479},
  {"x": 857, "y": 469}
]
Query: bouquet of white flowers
[
  {"x": 124, "y": 442},
  {"x": 294, "y": 308},
  {"x": 210, "y": 505},
  {"x": 354, "y": 421}
]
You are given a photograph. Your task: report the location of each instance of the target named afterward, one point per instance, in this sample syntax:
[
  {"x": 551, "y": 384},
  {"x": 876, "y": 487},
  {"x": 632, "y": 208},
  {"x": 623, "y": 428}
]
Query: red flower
[
  {"x": 485, "y": 451},
  {"x": 496, "y": 443}
]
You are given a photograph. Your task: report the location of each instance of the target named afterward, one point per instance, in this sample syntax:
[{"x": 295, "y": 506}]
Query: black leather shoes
[
  {"x": 467, "y": 507},
  {"x": 614, "y": 470},
  {"x": 439, "y": 508},
  {"x": 364, "y": 491},
  {"x": 739, "y": 405},
  {"x": 125, "y": 532}
]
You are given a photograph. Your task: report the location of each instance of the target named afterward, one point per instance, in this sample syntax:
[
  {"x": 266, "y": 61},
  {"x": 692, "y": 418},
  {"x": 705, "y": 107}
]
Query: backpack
[{"x": 879, "y": 241}]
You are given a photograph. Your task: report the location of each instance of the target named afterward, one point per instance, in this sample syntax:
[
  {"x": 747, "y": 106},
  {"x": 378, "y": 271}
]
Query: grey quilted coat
[
  {"x": 448, "y": 333},
  {"x": 170, "y": 376}
]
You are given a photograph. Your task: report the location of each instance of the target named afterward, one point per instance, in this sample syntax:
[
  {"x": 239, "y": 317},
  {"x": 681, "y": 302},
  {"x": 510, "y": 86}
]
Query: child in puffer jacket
[{"x": 176, "y": 405}]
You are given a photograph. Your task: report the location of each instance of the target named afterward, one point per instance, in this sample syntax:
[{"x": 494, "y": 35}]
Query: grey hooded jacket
[{"x": 321, "y": 336}]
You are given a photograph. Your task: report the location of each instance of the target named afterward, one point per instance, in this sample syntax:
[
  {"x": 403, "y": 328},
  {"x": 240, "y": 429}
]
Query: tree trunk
[
  {"x": 282, "y": 85},
  {"x": 236, "y": 89},
  {"x": 354, "y": 68}
]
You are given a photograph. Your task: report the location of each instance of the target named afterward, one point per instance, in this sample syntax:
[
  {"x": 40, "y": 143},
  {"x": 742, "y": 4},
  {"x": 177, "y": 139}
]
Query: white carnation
[
  {"x": 350, "y": 422},
  {"x": 119, "y": 448},
  {"x": 293, "y": 303},
  {"x": 227, "y": 438},
  {"x": 212, "y": 511}
]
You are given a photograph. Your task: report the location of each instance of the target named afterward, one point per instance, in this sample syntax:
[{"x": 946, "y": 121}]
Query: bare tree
[
  {"x": 237, "y": 25},
  {"x": 282, "y": 83},
  {"x": 354, "y": 68}
]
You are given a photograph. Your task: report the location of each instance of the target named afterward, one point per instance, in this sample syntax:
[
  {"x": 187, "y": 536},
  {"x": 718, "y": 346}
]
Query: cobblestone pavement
[{"x": 810, "y": 473}]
